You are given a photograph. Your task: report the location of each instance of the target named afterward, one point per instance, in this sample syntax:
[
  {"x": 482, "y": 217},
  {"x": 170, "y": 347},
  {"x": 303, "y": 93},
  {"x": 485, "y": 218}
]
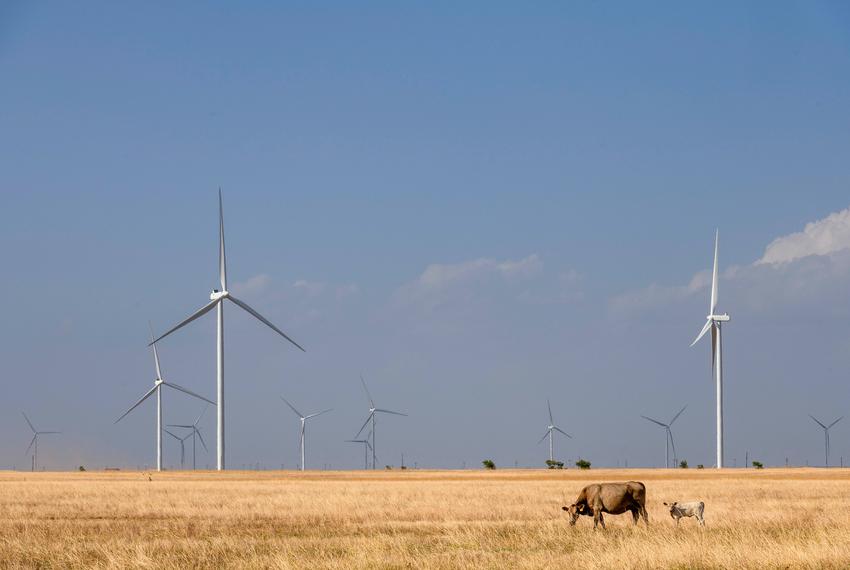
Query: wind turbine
[
  {"x": 34, "y": 441},
  {"x": 303, "y": 423},
  {"x": 217, "y": 299},
  {"x": 366, "y": 447},
  {"x": 195, "y": 431},
  {"x": 182, "y": 441},
  {"x": 158, "y": 383},
  {"x": 371, "y": 417},
  {"x": 826, "y": 435},
  {"x": 713, "y": 322},
  {"x": 549, "y": 433},
  {"x": 668, "y": 439}
]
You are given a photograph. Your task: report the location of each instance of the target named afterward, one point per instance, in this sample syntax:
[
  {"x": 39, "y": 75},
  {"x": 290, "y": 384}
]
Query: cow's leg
[
  {"x": 677, "y": 521},
  {"x": 635, "y": 515},
  {"x": 645, "y": 515}
]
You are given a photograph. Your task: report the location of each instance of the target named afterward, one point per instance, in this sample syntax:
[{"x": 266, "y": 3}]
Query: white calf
[{"x": 692, "y": 509}]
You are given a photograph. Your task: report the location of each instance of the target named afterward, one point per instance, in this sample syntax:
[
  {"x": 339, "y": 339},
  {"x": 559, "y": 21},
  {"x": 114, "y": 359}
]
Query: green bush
[
  {"x": 758, "y": 464},
  {"x": 683, "y": 464},
  {"x": 700, "y": 466},
  {"x": 583, "y": 464},
  {"x": 554, "y": 464},
  {"x": 488, "y": 464}
]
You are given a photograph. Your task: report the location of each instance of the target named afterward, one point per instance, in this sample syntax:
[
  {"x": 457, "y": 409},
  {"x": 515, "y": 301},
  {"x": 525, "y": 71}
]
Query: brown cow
[{"x": 612, "y": 498}]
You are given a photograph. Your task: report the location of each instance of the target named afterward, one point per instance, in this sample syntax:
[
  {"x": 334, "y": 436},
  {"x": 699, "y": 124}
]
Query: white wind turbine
[
  {"x": 182, "y": 441},
  {"x": 826, "y": 429},
  {"x": 158, "y": 383},
  {"x": 713, "y": 322},
  {"x": 195, "y": 432},
  {"x": 371, "y": 417},
  {"x": 668, "y": 437},
  {"x": 366, "y": 447},
  {"x": 34, "y": 441},
  {"x": 303, "y": 425},
  {"x": 217, "y": 299},
  {"x": 549, "y": 433}
]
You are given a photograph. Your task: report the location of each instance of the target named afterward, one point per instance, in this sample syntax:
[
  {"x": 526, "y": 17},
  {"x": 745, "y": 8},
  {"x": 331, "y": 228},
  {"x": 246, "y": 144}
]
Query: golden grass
[{"x": 777, "y": 518}]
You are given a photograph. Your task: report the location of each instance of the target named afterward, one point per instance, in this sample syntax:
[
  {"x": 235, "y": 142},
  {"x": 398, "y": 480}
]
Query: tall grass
[{"x": 798, "y": 518}]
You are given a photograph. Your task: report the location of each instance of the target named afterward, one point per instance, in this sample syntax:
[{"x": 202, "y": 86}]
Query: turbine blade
[
  {"x": 702, "y": 332},
  {"x": 187, "y": 391},
  {"x": 654, "y": 421},
  {"x": 263, "y": 320},
  {"x": 155, "y": 354},
  {"x": 200, "y": 437},
  {"x": 551, "y": 421},
  {"x": 299, "y": 414},
  {"x": 545, "y": 435},
  {"x": 835, "y": 422},
  {"x": 201, "y": 415},
  {"x": 32, "y": 441},
  {"x": 390, "y": 412},
  {"x": 714, "y": 276},
  {"x": 47, "y": 432},
  {"x": 368, "y": 395},
  {"x": 318, "y": 413},
  {"x": 556, "y": 428},
  {"x": 222, "y": 258},
  {"x": 677, "y": 415},
  {"x": 171, "y": 434},
  {"x": 142, "y": 399},
  {"x": 180, "y": 426},
  {"x": 29, "y": 423},
  {"x": 672, "y": 444},
  {"x": 818, "y": 421},
  {"x": 369, "y": 417},
  {"x": 197, "y": 314}
]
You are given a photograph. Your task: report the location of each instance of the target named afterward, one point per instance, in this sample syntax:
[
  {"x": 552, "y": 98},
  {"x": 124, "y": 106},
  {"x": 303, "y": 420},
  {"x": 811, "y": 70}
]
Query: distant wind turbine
[
  {"x": 713, "y": 322},
  {"x": 668, "y": 437},
  {"x": 373, "y": 411},
  {"x": 826, "y": 429},
  {"x": 182, "y": 441},
  {"x": 366, "y": 447},
  {"x": 303, "y": 426},
  {"x": 158, "y": 383},
  {"x": 195, "y": 432},
  {"x": 34, "y": 441},
  {"x": 217, "y": 299},
  {"x": 550, "y": 433}
]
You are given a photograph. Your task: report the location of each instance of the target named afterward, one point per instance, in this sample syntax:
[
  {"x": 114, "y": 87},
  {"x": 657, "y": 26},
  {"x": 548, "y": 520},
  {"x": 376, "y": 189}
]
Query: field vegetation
[{"x": 770, "y": 518}]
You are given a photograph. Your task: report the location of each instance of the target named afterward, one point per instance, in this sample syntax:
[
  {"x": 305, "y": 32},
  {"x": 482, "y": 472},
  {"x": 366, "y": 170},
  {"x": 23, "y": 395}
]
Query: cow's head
[
  {"x": 672, "y": 506},
  {"x": 575, "y": 510}
]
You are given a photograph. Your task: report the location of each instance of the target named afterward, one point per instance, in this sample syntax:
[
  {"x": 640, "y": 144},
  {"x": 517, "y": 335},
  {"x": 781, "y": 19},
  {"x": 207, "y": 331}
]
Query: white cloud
[
  {"x": 822, "y": 237},
  {"x": 438, "y": 276},
  {"x": 252, "y": 285},
  {"x": 311, "y": 288}
]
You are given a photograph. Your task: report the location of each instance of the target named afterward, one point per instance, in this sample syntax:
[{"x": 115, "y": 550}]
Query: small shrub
[
  {"x": 81, "y": 468},
  {"x": 554, "y": 464},
  {"x": 488, "y": 464},
  {"x": 758, "y": 464},
  {"x": 583, "y": 464},
  {"x": 683, "y": 464},
  {"x": 700, "y": 466}
]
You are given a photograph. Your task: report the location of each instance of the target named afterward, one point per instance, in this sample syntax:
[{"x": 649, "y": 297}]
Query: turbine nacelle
[
  {"x": 719, "y": 318},
  {"x": 217, "y": 295}
]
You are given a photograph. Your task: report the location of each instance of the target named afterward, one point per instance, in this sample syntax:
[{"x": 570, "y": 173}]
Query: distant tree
[
  {"x": 488, "y": 464},
  {"x": 700, "y": 466},
  {"x": 554, "y": 464},
  {"x": 758, "y": 464},
  {"x": 583, "y": 464},
  {"x": 388, "y": 467},
  {"x": 683, "y": 464},
  {"x": 81, "y": 468}
]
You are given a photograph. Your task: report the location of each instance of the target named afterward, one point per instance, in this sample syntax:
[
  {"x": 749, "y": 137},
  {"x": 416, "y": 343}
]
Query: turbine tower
[
  {"x": 713, "y": 322},
  {"x": 373, "y": 411},
  {"x": 158, "y": 383},
  {"x": 182, "y": 441},
  {"x": 826, "y": 429},
  {"x": 668, "y": 438},
  {"x": 303, "y": 424},
  {"x": 217, "y": 299},
  {"x": 34, "y": 441},
  {"x": 366, "y": 447},
  {"x": 549, "y": 433},
  {"x": 195, "y": 431}
]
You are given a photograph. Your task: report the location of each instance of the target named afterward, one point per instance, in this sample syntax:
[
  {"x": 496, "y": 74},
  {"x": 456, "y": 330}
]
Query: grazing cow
[
  {"x": 692, "y": 509},
  {"x": 611, "y": 498}
]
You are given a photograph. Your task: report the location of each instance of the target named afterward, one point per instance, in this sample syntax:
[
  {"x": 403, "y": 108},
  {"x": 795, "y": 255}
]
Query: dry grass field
[{"x": 775, "y": 518}]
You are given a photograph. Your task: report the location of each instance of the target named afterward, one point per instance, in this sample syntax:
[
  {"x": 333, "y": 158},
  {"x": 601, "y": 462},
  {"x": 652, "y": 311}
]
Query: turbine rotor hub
[{"x": 216, "y": 295}]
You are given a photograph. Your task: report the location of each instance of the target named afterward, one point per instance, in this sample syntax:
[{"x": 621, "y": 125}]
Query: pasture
[{"x": 774, "y": 518}]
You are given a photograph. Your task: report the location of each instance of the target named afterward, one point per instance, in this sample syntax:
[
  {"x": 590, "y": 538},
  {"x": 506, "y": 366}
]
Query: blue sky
[{"x": 477, "y": 206}]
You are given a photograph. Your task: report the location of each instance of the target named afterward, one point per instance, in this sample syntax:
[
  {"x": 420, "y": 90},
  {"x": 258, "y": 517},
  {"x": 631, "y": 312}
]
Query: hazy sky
[{"x": 476, "y": 205}]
